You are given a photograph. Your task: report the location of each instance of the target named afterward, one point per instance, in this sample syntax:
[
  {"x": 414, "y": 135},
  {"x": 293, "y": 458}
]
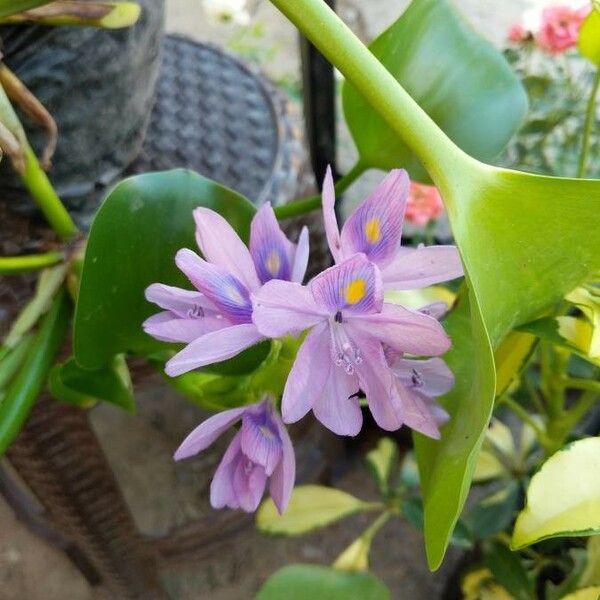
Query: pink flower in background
[
  {"x": 260, "y": 450},
  {"x": 424, "y": 204},
  {"x": 518, "y": 34},
  {"x": 560, "y": 27}
]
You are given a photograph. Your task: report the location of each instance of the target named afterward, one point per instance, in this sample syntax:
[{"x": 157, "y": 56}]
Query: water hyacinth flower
[
  {"x": 375, "y": 229},
  {"x": 259, "y": 451},
  {"x": 350, "y": 325},
  {"x": 418, "y": 383},
  {"x": 215, "y": 321}
]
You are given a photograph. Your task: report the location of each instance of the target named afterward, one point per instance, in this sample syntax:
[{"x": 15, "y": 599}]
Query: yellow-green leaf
[
  {"x": 592, "y": 593},
  {"x": 589, "y": 37},
  {"x": 563, "y": 498},
  {"x": 381, "y": 461},
  {"x": 591, "y": 574},
  {"x": 311, "y": 507},
  {"x": 510, "y": 358}
]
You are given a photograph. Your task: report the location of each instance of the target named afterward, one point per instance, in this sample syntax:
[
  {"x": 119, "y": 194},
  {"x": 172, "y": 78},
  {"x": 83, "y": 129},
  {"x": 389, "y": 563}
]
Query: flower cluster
[
  {"x": 553, "y": 24},
  {"x": 354, "y": 340}
]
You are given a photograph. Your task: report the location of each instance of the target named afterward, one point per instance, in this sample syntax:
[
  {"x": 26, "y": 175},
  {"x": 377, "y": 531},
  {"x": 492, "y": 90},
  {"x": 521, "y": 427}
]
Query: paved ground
[{"x": 162, "y": 496}]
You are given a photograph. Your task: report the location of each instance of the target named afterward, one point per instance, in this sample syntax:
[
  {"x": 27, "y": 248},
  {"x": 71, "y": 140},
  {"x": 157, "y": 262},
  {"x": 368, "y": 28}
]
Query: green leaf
[
  {"x": 311, "y": 507},
  {"x": 84, "y": 387},
  {"x": 508, "y": 570},
  {"x": 412, "y": 511},
  {"x": 11, "y": 7},
  {"x": 563, "y": 498},
  {"x": 409, "y": 471},
  {"x": 381, "y": 461},
  {"x": 494, "y": 512},
  {"x": 29, "y": 381},
  {"x": 591, "y": 574},
  {"x": 301, "y": 582},
  {"x": 592, "y": 593},
  {"x": 457, "y": 77},
  {"x": 511, "y": 357},
  {"x": 133, "y": 240},
  {"x": 589, "y": 37}
]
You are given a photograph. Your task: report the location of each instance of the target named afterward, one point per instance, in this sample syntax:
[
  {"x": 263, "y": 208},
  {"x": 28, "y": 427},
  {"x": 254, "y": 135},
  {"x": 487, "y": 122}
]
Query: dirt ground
[{"x": 162, "y": 495}]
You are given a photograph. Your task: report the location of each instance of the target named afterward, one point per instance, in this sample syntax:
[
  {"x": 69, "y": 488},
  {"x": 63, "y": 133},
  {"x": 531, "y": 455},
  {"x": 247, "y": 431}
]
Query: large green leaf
[
  {"x": 563, "y": 498},
  {"x": 301, "y": 582},
  {"x": 589, "y": 36},
  {"x": 525, "y": 241},
  {"x": 132, "y": 243},
  {"x": 457, "y": 77}
]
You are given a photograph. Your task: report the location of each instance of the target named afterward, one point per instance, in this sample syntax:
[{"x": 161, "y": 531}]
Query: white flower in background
[
  {"x": 227, "y": 11},
  {"x": 532, "y": 17}
]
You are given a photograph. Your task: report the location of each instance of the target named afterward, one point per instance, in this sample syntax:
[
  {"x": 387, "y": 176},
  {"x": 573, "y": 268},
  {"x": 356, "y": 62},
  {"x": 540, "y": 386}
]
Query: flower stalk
[{"x": 589, "y": 125}]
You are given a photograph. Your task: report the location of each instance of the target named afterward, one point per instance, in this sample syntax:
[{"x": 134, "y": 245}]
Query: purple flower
[
  {"x": 418, "y": 382},
  {"x": 375, "y": 228},
  {"x": 260, "y": 450},
  {"x": 216, "y": 320},
  {"x": 344, "y": 350}
]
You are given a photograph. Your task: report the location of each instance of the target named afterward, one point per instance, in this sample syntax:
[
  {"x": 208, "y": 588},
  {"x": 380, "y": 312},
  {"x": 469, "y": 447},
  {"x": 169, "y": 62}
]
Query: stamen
[
  {"x": 345, "y": 353},
  {"x": 416, "y": 378},
  {"x": 196, "y": 312}
]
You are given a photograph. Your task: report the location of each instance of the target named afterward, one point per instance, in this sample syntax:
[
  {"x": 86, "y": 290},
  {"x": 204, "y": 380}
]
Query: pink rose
[
  {"x": 560, "y": 27},
  {"x": 518, "y": 34},
  {"x": 424, "y": 204}
]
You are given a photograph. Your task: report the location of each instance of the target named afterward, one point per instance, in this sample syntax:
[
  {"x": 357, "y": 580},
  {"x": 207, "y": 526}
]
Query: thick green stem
[
  {"x": 306, "y": 205},
  {"x": 589, "y": 125},
  {"x": 13, "y": 265},
  {"x": 342, "y": 48},
  {"x": 39, "y": 186}
]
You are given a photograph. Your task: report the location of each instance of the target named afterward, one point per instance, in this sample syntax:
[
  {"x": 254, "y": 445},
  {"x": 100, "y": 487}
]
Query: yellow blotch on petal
[
  {"x": 273, "y": 263},
  {"x": 355, "y": 291},
  {"x": 372, "y": 231}
]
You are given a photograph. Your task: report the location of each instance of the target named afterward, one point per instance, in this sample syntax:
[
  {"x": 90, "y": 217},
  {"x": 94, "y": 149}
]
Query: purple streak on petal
[
  {"x": 375, "y": 227},
  {"x": 270, "y": 249},
  {"x": 376, "y": 380},
  {"x": 167, "y": 327},
  {"x": 283, "y": 307},
  {"x": 300, "y": 260},
  {"x": 226, "y": 292},
  {"x": 207, "y": 432},
  {"x": 213, "y": 347},
  {"x": 221, "y": 245},
  {"x": 309, "y": 374},
  {"x": 249, "y": 481},
  {"x": 352, "y": 286},
  {"x": 282, "y": 480},
  {"x": 420, "y": 267},
  {"x": 430, "y": 377},
  {"x": 183, "y": 303},
  {"x": 404, "y": 330},
  {"x": 222, "y": 492},
  {"x": 335, "y": 407},
  {"x": 415, "y": 412},
  {"x": 260, "y": 437},
  {"x": 331, "y": 226}
]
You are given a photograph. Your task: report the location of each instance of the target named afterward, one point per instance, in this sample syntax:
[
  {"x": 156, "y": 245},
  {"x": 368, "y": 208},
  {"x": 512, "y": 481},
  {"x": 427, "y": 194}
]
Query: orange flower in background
[
  {"x": 560, "y": 27},
  {"x": 424, "y": 204}
]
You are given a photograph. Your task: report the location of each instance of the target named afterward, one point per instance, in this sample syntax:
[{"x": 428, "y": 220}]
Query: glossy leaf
[
  {"x": 83, "y": 387},
  {"x": 311, "y": 507},
  {"x": 457, "y": 77},
  {"x": 381, "y": 461},
  {"x": 132, "y": 243},
  {"x": 563, "y": 498},
  {"x": 589, "y": 37},
  {"x": 300, "y": 582}
]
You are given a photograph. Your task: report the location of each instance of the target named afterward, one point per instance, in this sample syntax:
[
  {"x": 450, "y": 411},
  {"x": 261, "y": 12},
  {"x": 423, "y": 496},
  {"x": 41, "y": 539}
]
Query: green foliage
[
  {"x": 135, "y": 235},
  {"x": 70, "y": 383},
  {"x": 563, "y": 498},
  {"x": 300, "y": 582},
  {"x": 311, "y": 507},
  {"x": 381, "y": 461},
  {"x": 589, "y": 37},
  {"x": 508, "y": 570},
  {"x": 12, "y": 7},
  {"x": 456, "y": 76}
]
